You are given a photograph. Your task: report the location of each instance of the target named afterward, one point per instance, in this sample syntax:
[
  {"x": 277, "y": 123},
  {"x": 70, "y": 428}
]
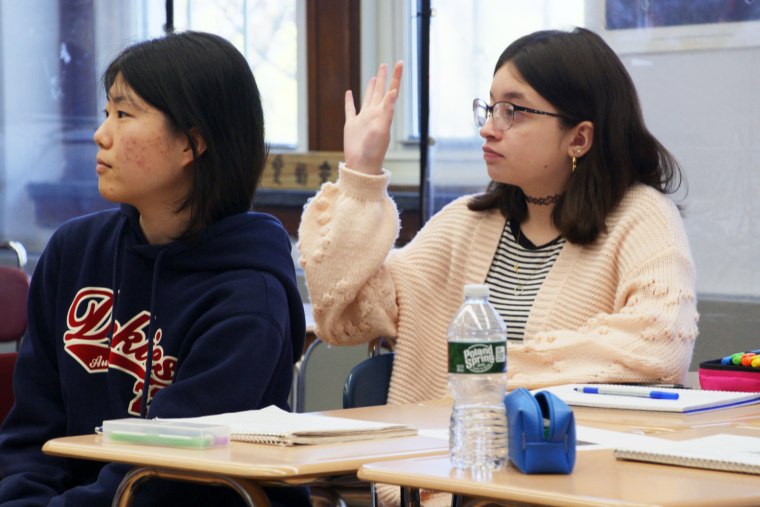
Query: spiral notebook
[
  {"x": 730, "y": 453},
  {"x": 630, "y": 398},
  {"x": 272, "y": 425}
]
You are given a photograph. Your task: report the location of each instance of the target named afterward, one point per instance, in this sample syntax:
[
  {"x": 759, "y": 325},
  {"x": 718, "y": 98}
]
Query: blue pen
[{"x": 639, "y": 393}]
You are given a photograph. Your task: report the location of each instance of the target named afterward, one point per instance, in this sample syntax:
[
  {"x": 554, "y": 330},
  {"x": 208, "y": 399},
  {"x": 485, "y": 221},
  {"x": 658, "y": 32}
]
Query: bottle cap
[{"x": 476, "y": 291}]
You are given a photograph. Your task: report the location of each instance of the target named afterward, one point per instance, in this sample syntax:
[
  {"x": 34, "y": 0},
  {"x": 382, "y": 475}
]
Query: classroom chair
[
  {"x": 319, "y": 376},
  {"x": 12, "y": 253},
  {"x": 14, "y": 289},
  {"x": 367, "y": 383}
]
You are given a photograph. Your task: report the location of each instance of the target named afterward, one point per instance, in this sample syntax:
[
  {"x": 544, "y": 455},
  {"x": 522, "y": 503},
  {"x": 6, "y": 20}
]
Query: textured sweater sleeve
[
  {"x": 361, "y": 287},
  {"x": 346, "y": 233},
  {"x": 646, "y": 333}
]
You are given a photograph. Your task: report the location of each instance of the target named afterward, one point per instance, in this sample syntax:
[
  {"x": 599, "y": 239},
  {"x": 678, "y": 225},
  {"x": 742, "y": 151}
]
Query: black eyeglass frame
[{"x": 482, "y": 104}]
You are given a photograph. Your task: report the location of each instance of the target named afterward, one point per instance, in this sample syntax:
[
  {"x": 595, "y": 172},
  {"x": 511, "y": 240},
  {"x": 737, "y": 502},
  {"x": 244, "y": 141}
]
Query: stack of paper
[
  {"x": 272, "y": 425},
  {"x": 642, "y": 398},
  {"x": 731, "y": 453}
]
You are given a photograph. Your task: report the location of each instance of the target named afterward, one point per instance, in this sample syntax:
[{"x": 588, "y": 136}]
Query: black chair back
[{"x": 367, "y": 383}]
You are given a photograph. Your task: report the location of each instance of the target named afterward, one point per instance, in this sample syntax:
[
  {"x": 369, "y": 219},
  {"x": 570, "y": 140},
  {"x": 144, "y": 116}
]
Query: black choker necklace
[{"x": 543, "y": 201}]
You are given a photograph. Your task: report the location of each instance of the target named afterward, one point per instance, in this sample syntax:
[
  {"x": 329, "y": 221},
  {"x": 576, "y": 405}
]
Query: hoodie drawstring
[
  {"x": 116, "y": 280},
  {"x": 151, "y": 326}
]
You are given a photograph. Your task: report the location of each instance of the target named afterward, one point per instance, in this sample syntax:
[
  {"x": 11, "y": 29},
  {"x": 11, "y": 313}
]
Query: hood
[
  {"x": 246, "y": 240},
  {"x": 250, "y": 240}
]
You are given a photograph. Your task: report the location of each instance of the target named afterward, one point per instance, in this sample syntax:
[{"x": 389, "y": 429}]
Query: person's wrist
[
  {"x": 360, "y": 185},
  {"x": 363, "y": 166}
]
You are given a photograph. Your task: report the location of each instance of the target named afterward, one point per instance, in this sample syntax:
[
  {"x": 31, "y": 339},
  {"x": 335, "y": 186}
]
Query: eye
[
  {"x": 503, "y": 111},
  {"x": 119, "y": 114},
  {"x": 518, "y": 114}
]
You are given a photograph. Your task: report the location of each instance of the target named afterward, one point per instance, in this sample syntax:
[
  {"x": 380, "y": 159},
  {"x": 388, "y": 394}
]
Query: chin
[
  {"x": 108, "y": 196},
  {"x": 500, "y": 176}
]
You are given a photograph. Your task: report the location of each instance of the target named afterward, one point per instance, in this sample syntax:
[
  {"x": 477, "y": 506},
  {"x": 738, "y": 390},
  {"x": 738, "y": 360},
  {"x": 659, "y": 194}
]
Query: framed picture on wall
[{"x": 646, "y": 26}]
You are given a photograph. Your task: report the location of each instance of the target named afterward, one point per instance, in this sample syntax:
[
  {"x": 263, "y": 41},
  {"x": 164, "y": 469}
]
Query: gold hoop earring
[{"x": 575, "y": 164}]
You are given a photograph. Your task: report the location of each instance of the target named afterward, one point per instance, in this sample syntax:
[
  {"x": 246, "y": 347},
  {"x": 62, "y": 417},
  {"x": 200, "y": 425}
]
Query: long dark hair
[
  {"x": 201, "y": 82},
  {"x": 581, "y": 76}
]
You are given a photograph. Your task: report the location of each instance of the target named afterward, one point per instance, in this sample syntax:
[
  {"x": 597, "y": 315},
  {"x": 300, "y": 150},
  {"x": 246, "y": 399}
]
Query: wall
[{"x": 705, "y": 106}]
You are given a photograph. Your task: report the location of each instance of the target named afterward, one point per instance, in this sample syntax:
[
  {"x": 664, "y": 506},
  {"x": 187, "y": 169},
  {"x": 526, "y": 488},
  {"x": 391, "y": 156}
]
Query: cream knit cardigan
[{"x": 622, "y": 309}]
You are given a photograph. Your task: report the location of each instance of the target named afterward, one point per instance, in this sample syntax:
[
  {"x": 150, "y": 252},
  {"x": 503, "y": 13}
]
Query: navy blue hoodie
[{"x": 227, "y": 325}]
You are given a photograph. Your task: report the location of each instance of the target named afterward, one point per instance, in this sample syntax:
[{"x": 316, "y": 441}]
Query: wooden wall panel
[{"x": 334, "y": 55}]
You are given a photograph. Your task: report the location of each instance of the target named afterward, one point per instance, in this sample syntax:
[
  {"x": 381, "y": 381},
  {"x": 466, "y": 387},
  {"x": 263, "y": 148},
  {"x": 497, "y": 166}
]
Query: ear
[
  {"x": 200, "y": 145},
  {"x": 582, "y": 139}
]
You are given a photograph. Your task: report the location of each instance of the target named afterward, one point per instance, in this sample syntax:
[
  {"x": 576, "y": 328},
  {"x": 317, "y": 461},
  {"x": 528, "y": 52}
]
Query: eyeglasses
[{"x": 502, "y": 113}]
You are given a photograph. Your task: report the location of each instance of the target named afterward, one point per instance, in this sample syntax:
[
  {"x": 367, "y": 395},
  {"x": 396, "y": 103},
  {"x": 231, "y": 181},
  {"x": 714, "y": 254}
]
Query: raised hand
[{"x": 366, "y": 134}]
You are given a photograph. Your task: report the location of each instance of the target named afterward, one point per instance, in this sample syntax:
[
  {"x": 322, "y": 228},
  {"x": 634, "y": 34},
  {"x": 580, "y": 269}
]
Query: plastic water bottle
[{"x": 478, "y": 382}]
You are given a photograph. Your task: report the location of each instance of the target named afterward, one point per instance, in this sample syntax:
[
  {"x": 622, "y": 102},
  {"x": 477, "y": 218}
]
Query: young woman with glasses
[{"x": 586, "y": 257}]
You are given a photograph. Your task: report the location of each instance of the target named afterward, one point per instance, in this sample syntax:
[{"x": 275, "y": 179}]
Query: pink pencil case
[{"x": 728, "y": 377}]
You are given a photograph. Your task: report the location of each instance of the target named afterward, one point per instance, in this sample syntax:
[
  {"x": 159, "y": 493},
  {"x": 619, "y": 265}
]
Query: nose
[
  {"x": 488, "y": 131},
  {"x": 100, "y": 136}
]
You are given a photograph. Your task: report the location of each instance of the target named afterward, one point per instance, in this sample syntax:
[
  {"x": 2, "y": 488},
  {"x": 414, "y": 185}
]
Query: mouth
[
  {"x": 490, "y": 154},
  {"x": 102, "y": 166}
]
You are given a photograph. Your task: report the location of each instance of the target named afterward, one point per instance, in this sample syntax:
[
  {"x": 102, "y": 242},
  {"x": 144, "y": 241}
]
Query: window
[
  {"x": 266, "y": 32},
  {"x": 53, "y": 101},
  {"x": 466, "y": 40}
]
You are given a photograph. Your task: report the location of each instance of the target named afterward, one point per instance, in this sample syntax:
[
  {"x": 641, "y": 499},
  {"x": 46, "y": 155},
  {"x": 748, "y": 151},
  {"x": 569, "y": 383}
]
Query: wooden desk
[
  {"x": 422, "y": 462},
  {"x": 245, "y": 467},
  {"x": 598, "y": 478}
]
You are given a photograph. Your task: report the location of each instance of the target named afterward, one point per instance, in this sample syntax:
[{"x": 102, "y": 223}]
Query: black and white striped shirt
[{"x": 517, "y": 272}]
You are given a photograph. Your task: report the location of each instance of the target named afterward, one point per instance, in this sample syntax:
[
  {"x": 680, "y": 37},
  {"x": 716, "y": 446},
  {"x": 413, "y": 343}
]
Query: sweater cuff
[{"x": 365, "y": 187}]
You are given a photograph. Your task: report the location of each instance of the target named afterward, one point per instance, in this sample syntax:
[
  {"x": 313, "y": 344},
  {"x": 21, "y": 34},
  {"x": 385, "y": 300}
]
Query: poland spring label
[{"x": 473, "y": 357}]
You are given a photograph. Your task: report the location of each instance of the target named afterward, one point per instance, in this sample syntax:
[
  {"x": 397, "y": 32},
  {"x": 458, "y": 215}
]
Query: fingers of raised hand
[
  {"x": 389, "y": 100},
  {"x": 378, "y": 91},
  {"x": 376, "y": 94},
  {"x": 349, "y": 104},
  {"x": 393, "y": 88},
  {"x": 369, "y": 92},
  {"x": 367, "y": 131}
]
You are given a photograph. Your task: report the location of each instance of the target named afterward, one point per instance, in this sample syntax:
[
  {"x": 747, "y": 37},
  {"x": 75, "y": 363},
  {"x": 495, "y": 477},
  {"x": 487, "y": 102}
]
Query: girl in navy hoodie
[{"x": 181, "y": 303}]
